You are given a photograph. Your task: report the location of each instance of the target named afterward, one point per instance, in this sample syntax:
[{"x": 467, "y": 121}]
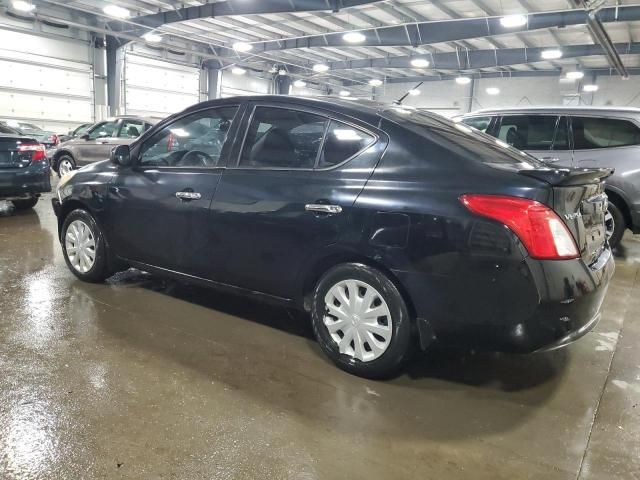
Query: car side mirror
[
  {"x": 85, "y": 136},
  {"x": 121, "y": 155}
]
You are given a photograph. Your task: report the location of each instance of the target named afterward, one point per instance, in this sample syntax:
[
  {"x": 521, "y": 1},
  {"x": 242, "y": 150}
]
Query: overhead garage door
[
  {"x": 157, "y": 88},
  {"x": 233, "y": 85},
  {"x": 46, "y": 81}
]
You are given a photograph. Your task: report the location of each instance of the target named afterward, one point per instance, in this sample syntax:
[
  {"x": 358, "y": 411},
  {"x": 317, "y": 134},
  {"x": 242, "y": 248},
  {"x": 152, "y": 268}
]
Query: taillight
[
  {"x": 37, "y": 151},
  {"x": 542, "y": 232}
]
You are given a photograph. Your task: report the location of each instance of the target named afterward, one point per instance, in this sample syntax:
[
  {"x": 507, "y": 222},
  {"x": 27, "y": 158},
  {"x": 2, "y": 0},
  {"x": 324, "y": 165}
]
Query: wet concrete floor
[{"x": 145, "y": 378}]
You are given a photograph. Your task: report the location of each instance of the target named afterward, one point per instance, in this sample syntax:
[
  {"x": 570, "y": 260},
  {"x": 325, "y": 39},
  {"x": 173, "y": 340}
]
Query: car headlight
[{"x": 63, "y": 190}]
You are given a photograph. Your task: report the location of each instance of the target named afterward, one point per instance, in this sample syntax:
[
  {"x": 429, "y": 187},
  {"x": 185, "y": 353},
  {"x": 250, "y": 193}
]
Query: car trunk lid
[
  {"x": 580, "y": 201},
  {"x": 10, "y": 156}
]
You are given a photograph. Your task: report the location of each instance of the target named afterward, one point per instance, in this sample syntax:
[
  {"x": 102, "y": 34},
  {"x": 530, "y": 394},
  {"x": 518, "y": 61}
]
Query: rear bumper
[
  {"x": 538, "y": 305},
  {"x": 25, "y": 182}
]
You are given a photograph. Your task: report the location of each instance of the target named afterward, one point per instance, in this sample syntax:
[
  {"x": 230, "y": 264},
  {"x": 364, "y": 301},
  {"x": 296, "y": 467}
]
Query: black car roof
[{"x": 366, "y": 110}]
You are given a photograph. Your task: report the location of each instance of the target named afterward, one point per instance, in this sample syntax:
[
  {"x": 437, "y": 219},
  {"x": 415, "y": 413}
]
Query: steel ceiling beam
[
  {"x": 476, "y": 59},
  {"x": 425, "y": 33},
  {"x": 238, "y": 7}
]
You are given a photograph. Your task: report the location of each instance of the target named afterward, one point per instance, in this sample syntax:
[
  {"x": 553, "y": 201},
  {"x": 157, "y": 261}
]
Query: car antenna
[{"x": 401, "y": 99}]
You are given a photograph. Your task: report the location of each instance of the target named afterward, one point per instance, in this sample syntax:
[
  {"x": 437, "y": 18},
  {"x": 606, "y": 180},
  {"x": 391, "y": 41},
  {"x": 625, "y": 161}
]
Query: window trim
[
  {"x": 323, "y": 113},
  {"x": 571, "y": 116},
  {"x": 229, "y": 141}
]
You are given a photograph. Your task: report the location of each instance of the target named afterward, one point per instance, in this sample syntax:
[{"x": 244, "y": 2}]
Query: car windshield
[{"x": 460, "y": 138}]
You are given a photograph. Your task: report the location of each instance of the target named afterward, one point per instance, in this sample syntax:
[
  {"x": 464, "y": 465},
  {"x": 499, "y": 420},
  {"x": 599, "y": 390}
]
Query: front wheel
[
  {"x": 25, "y": 204},
  {"x": 84, "y": 248},
  {"x": 361, "y": 321},
  {"x": 614, "y": 225},
  {"x": 66, "y": 164}
]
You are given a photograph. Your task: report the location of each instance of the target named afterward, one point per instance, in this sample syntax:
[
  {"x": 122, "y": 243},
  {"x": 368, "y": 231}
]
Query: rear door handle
[
  {"x": 187, "y": 196},
  {"x": 323, "y": 208}
]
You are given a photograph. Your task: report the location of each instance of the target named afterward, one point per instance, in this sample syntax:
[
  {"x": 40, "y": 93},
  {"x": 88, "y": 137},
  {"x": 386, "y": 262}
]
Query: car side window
[
  {"x": 102, "y": 130},
  {"x": 591, "y": 133},
  {"x": 195, "y": 141},
  {"x": 528, "y": 132},
  {"x": 131, "y": 128},
  {"x": 282, "y": 138},
  {"x": 479, "y": 123},
  {"x": 342, "y": 142}
]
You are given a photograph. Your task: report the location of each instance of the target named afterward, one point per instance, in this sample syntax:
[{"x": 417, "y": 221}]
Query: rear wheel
[
  {"x": 84, "y": 248},
  {"x": 361, "y": 321},
  {"x": 615, "y": 225},
  {"x": 66, "y": 163},
  {"x": 25, "y": 204}
]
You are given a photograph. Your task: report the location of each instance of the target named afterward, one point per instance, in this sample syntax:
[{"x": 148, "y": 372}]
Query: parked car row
[{"x": 391, "y": 226}]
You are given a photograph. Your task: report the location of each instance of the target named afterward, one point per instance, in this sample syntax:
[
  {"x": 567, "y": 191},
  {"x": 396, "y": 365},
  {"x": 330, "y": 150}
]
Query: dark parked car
[
  {"x": 47, "y": 138},
  {"x": 24, "y": 169},
  {"x": 392, "y": 227},
  {"x": 96, "y": 143}
]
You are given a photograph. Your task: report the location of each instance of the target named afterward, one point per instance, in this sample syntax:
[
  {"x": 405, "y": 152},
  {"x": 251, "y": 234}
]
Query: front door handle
[
  {"x": 323, "y": 208},
  {"x": 188, "y": 196}
]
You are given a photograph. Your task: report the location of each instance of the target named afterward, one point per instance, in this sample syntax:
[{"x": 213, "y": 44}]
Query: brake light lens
[
  {"x": 37, "y": 151},
  {"x": 542, "y": 232}
]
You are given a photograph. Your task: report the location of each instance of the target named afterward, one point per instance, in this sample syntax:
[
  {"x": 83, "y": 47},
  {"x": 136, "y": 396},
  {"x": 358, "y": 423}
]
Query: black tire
[
  {"x": 100, "y": 270},
  {"x": 25, "y": 204},
  {"x": 619, "y": 225},
  {"x": 64, "y": 158},
  {"x": 400, "y": 344}
]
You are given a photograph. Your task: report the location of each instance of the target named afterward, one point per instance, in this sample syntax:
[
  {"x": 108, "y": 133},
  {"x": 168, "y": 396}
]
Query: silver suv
[{"x": 580, "y": 137}]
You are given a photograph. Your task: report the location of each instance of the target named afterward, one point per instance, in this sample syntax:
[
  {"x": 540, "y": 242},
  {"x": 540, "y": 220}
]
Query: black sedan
[
  {"x": 392, "y": 227},
  {"x": 24, "y": 169}
]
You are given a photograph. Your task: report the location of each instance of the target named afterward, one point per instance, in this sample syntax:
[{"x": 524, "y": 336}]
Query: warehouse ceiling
[{"x": 450, "y": 38}]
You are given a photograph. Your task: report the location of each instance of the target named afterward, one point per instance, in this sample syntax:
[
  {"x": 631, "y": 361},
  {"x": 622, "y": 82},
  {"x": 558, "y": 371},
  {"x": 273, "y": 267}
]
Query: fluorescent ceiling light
[
  {"x": 238, "y": 71},
  {"x": 590, "y": 88},
  {"x": 463, "y": 80},
  {"x": 320, "y": 67},
  {"x": 152, "y": 37},
  {"x": 414, "y": 92},
  {"x": 282, "y": 71},
  {"x": 300, "y": 83},
  {"x": 551, "y": 54},
  {"x": 354, "y": 37},
  {"x": 513, "y": 21},
  {"x": 374, "y": 82},
  {"x": 493, "y": 91},
  {"x": 116, "y": 11},
  {"x": 577, "y": 75},
  {"x": 344, "y": 93},
  {"x": 242, "y": 46},
  {"x": 420, "y": 62},
  {"x": 23, "y": 6}
]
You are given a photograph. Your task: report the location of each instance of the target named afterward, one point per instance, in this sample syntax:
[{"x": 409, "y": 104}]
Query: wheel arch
[{"x": 322, "y": 265}]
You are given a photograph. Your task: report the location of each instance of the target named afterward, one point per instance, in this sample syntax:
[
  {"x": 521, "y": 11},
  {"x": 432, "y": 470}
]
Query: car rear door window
[
  {"x": 528, "y": 132},
  {"x": 479, "y": 123},
  {"x": 343, "y": 142},
  {"x": 131, "y": 128},
  {"x": 195, "y": 141},
  {"x": 592, "y": 132},
  {"x": 283, "y": 138},
  {"x": 561, "y": 139}
]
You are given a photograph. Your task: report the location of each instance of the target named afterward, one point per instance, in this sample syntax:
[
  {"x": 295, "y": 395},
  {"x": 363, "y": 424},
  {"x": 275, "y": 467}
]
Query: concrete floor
[{"x": 143, "y": 378}]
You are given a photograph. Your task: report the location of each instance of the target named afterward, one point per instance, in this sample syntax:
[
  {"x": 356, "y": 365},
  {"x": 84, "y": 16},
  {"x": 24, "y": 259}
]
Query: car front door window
[
  {"x": 103, "y": 130},
  {"x": 193, "y": 141}
]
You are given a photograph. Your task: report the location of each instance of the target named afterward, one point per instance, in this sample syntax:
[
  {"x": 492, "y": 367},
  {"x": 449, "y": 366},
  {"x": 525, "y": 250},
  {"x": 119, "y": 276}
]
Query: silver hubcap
[
  {"x": 609, "y": 224},
  {"x": 65, "y": 167},
  {"x": 358, "y": 320},
  {"x": 80, "y": 245}
]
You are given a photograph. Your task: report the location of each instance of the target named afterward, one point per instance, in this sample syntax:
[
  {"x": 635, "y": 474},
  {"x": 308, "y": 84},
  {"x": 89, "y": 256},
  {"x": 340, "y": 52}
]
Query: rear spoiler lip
[{"x": 569, "y": 176}]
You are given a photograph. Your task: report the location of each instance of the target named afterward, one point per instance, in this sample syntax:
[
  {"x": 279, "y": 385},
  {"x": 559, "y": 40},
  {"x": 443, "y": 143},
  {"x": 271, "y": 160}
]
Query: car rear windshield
[
  {"x": 9, "y": 130},
  {"x": 461, "y": 139}
]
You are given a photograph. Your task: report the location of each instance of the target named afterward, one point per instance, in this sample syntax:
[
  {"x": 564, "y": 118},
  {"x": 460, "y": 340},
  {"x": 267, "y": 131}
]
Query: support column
[
  {"x": 472, "y": 93},
  {"x": 112, "y": 74},
  {"x": 214, "y": 76},
  {"x": 99, "y": 60},
  {"x": 282, "y": 84}
]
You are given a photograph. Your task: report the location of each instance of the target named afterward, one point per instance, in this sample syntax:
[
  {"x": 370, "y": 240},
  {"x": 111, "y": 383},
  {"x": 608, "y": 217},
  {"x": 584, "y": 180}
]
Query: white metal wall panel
[
  {"x": 45, "y": 80},
  {"x": 158, "y": 88},
  {"x": 243, "y": 85}
]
